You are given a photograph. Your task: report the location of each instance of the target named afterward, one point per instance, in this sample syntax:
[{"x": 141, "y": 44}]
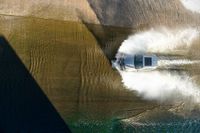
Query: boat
[{"x": 136, "y": 62}]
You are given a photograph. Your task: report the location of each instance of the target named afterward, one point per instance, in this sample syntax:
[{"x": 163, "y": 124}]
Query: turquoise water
[{"x": 115, "y": 126}]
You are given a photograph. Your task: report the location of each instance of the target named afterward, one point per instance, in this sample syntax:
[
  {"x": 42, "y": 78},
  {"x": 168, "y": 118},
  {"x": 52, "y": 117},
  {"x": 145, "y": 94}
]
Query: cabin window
[
  {"x": 147, "y": 61},
  {"x": 138, "y": 61}
]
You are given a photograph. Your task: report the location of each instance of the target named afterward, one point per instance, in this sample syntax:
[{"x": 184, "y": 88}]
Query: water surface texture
[
  {"x": 72, "y": 70},
  {"x": 63, "y": 51}
]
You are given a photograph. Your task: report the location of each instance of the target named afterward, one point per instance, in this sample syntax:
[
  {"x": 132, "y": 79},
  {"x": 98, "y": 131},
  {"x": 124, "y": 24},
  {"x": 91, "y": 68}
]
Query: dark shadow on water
[
  {"x": 24, "y": 108},
  {"x": 109, "y": 38}
]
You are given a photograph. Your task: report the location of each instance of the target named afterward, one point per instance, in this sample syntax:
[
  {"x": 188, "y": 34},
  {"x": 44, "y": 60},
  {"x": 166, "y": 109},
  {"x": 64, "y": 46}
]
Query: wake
[
  {"x": 163, "y": 86},
  {"x": 177, "y": 62}
]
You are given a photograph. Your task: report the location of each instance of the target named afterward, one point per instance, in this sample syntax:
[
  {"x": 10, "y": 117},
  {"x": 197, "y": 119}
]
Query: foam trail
[
  {"x": 177, "y": 62},
  {"x": 161, "y": 85},
  {"x": 192, "y": 5},
  {"x": 158, "y": 41}
]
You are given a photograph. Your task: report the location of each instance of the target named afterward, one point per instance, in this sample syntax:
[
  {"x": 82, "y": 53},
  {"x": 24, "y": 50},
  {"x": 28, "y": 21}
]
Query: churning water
[
  {"x": 193, "y": 5},
  {"x": 162, "y": 85}
]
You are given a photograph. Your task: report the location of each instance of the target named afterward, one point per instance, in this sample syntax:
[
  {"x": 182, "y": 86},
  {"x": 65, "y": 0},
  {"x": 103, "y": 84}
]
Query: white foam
[
  {"x": 161, "y": 85},
  {"x": 162, "y": 40},
  {"x": 177, "y": 62},
  {"x": 192, "y": 5}
]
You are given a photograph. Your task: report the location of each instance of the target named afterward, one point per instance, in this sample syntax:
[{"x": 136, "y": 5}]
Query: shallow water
[
  {"x": 70, "y": 61},
  {"x": 73, "y": 70}
]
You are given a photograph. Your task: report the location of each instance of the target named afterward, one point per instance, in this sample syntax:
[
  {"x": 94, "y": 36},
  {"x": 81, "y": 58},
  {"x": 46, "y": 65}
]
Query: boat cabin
[
  {"x": 139, "y": 61},
  {"x": 142, "y": 61}
]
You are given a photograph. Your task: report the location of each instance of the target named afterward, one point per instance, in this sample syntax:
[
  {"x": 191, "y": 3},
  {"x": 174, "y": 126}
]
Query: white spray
[
  {"x": 161, "y": 85},
  {"x": 192, "y": 5},
  {"x": 158, "y": 41},
  {"x": 176, "y": 62}
]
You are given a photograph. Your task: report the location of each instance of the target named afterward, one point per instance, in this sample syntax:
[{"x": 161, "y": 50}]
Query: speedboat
[{"x": 145, "y": 62}]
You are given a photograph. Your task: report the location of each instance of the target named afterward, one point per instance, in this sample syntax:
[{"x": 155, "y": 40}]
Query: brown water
[
  {"x": 70, "y": 61},
  {"x": 73, "y": 69}
]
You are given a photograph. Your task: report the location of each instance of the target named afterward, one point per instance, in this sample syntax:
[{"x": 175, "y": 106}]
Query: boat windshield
[
  {"x": 138, "y": 61},
  {"x": 148, "y": 61}
]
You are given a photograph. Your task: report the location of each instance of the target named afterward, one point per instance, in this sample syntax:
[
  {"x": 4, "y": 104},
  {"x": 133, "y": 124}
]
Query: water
[
  {"x": 73, "y": 69},
  {"x": 164, "y": 85},
  {"x": 170, "y": 84},
  {"x": 192, "y": 5},
  {"x": 70, "y": 67}
]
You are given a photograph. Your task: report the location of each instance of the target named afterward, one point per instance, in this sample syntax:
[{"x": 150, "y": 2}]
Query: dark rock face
[{"x": 137, "y": 13}]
